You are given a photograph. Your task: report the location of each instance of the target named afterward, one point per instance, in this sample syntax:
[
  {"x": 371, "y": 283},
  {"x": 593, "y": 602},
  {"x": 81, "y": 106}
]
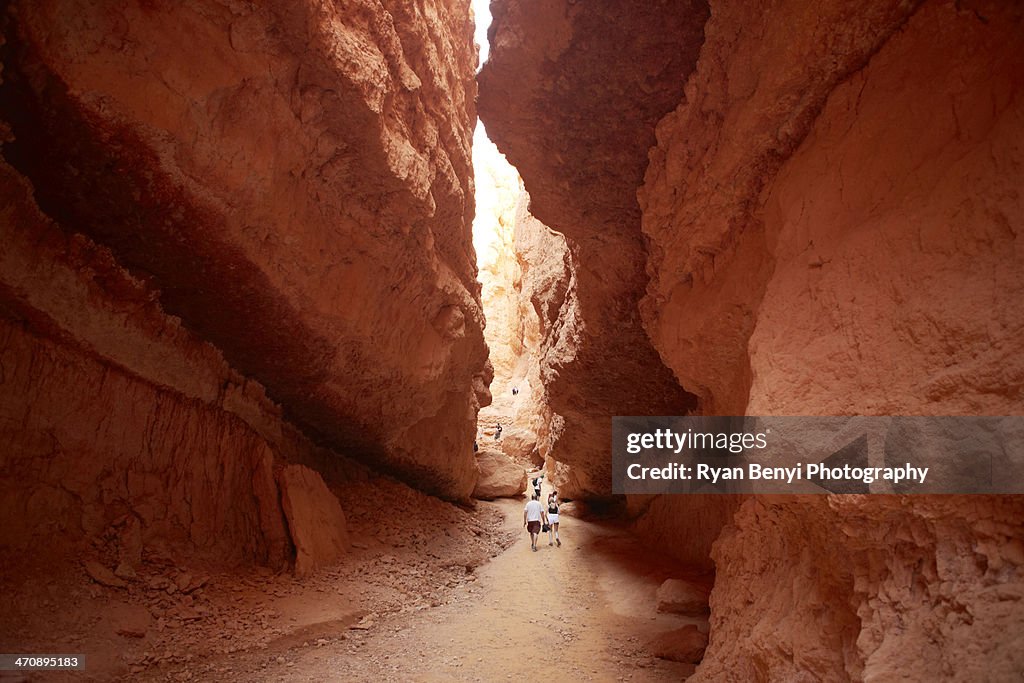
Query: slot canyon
[{"x": 297, "y": 299}]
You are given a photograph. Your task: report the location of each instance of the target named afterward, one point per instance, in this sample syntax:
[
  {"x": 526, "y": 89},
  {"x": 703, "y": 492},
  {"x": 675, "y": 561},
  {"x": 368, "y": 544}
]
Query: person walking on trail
[
  {"x": 497, "y": 432},
  {"x": 533, "y": 516},
  {"x": 536, "y": 485},
  {"x": 553, "y": 519}
]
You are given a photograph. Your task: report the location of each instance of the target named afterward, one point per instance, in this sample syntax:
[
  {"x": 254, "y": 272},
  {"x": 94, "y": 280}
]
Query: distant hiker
[
  {"x": 533, "y": 516},
  {"x": 476, "y": 446},
  {"x": 497, "y": 432},
  {"x": 537, "y": 481},
  {"x": 553, "y": 519},
  {"x": 515, "y": 390}
]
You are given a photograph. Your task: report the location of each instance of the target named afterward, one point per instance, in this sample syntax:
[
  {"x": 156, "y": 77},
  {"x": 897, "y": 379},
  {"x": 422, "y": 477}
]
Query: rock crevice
[{"x": 571, "y": 94}]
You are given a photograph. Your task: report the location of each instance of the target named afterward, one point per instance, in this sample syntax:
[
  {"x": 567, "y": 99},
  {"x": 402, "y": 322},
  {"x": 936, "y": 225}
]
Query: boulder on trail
[
  {"x": 500, "y": 477},
  {"x": 315, "y": 518},
  {"x": 686, "y": 644},
  {"x": 103, "y": 576},
  {"x": 520, "y": 444},
  {"x": 679, "y": 596}
]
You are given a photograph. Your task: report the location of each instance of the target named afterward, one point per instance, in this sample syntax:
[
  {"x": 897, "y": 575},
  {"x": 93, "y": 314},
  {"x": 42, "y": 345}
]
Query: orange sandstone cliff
[{"x": 233, "y": 237}]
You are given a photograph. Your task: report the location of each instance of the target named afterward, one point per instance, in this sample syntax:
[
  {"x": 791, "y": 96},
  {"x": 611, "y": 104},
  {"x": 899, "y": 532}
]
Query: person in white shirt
[{"x": 533, "y": 516}]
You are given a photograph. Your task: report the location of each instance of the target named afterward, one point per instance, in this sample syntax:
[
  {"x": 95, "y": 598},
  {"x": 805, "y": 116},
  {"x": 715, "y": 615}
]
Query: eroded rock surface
[
  {"x": 115, "y": 419},
  {"x": 882, "y": 243},
  {"x": 295, "y": 180},
  {"x": 870, "y": 589},
  {"x": 511, "y": 322}
]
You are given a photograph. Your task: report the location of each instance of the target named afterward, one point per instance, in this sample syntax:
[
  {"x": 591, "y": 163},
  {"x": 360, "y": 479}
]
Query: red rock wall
[
  {"x": 883, "y": 255},
  {"x": 530, "y": 292},
  {"x": 295, "y": 179},
  {"x": 512, "y": 348},
  {"x": 832, "y": 216},
  {"x": 757, "y": 89},
  {"x": 685, "y": 526},
  {"x": 549, "y": 310},
  {"x": 116, "y": 421},
  {"x": 847, "y": 588}
]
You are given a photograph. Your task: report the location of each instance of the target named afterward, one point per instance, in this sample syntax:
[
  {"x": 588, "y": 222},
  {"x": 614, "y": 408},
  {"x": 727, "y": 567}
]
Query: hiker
[
  {"x": 533, "y": 516},
  {"x": 515, "y": 390},
  {"x": 537, "y": 481},
  {"x": 476, "y": 446},
  {"x": 553, "y": 519},
  {"x": 497, "y": 432}
]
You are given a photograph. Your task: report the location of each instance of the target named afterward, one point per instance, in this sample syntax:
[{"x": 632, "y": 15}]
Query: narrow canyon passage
[{"x": 299, "y": 298}]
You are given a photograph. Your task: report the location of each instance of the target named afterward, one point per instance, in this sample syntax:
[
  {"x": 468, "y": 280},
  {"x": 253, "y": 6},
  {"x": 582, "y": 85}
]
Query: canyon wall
[
  {"x": 872, "y": 251},
  {"x": 832, "y": 220},
  {"x": 295, "y": 180},
  {"x": 118, "y": 424},
  {"x": 729, "y": 175},
  {"x": 550, "y": 320},
  {"x": 581, "y": 151},
  {"x": 233, "y": 239}
]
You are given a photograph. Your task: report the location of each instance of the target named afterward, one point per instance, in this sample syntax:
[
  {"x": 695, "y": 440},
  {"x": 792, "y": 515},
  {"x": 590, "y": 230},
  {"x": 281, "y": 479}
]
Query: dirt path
[
  {"x": 584, "y": 611},
  {"x": 430, "y": 592}
]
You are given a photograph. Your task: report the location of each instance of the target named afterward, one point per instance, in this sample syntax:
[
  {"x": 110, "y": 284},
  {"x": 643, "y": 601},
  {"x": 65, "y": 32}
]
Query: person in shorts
[
  {"x": 533, "y": 516},
  {"x": 553, "y": 506}
]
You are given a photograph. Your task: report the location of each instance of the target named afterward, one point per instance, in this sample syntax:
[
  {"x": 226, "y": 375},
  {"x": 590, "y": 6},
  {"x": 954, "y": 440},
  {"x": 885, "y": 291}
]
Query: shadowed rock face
[
  {"x": 118, "y": 423},
  {"x": 571, "y": 93},
  {"x": 295, "y": 179},
  {"x": 832, "y": 215}
]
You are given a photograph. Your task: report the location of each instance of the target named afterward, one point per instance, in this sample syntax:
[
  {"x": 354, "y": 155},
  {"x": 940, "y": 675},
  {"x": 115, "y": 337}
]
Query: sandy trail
[
  {"x": 584, "y": 611},
  {"x": 429, "y": 593}
]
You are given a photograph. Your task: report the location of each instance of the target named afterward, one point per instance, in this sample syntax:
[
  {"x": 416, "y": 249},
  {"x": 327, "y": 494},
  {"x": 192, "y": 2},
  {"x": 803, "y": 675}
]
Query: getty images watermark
[{"x": 904, "y": 455}]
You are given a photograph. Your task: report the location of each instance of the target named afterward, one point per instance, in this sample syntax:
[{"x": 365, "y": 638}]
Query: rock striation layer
[
  {"x": 295, "y": 180},
  {"x": 117, "y": 422}
]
